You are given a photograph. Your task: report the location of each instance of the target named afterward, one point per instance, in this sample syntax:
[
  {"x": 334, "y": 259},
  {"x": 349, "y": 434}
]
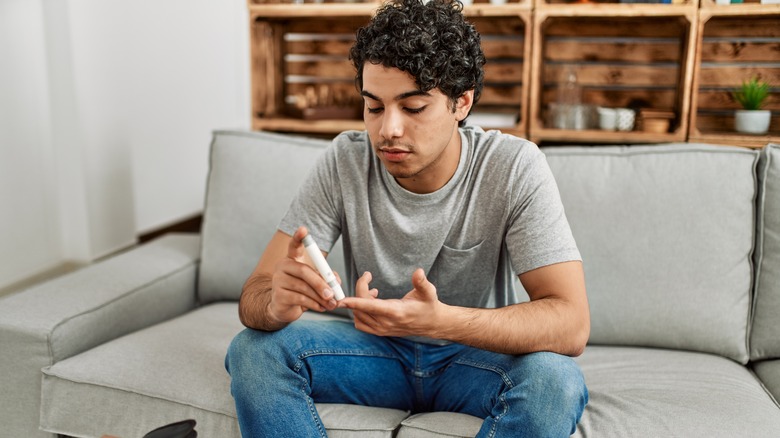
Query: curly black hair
[{"x": 429, "y": 40}]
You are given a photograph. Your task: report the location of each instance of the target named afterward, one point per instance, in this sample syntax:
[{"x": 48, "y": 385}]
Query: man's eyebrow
[{"x": 401, "y": 96}]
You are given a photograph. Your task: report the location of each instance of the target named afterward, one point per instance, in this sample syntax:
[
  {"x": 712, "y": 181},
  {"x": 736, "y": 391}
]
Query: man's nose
[{"x": 392, "y": 124}]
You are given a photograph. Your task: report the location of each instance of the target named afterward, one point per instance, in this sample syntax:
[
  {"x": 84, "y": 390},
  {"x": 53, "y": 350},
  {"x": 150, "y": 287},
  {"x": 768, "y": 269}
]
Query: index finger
[{"x": 368, "y": 305}]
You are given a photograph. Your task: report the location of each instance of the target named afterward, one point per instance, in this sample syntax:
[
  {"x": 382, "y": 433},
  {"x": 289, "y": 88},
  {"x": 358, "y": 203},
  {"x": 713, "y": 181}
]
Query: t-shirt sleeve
[
  {"x": 318, "y": 203},
  {"x": 538, "y": 233}
]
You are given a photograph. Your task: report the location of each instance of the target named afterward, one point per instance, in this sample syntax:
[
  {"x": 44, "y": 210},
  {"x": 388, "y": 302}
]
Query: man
[{"x": 436, "y": 220}]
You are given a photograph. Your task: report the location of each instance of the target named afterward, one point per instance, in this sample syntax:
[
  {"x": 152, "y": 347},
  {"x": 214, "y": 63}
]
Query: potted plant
[{"x": 751, "y": 96}]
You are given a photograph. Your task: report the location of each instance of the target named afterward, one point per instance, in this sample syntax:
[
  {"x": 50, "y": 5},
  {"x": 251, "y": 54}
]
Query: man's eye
[
  {"x": 376, "y": 110},
  {"x": 415, "y": 110}
]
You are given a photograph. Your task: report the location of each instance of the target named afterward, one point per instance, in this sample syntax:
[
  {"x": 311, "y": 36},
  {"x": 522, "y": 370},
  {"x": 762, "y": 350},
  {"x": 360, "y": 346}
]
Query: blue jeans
[{"x": 276, "y": 377}]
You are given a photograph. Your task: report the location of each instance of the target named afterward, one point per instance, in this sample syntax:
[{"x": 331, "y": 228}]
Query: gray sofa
[{"x": 681, "y": 247}]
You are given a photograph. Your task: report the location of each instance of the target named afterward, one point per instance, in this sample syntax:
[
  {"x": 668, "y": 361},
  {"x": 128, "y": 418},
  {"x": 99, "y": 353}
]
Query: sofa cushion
[
  {"x": 663, "y": 393},
  {"x": 166, "y": 373},
  {"x": 666, "y": 235},
  {"x": 769, "y": 373},
  {"x": 439, "y": 424},
  {"x": 252, "y": 179},
  {"x": 765, "y": 334}
]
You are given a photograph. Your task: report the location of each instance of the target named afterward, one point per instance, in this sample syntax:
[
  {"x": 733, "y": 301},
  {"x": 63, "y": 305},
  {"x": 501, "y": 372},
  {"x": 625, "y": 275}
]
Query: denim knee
[
  {"x": 555, "y": 382},
  {"x": 252, "y": 347}
]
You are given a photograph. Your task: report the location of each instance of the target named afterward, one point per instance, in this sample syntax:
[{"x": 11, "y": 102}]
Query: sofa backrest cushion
[
  {"x": 765, "y": 334},
  {"x": 252, "y": 179},
  {"x": 666, "y": 236}
]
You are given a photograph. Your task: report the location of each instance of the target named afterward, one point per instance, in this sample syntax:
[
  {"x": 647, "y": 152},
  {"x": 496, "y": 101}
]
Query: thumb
[
  {"x": 362, "y": 289},
  {"x": 423, "y": 287},
  {"x": 295, "y": 249}
]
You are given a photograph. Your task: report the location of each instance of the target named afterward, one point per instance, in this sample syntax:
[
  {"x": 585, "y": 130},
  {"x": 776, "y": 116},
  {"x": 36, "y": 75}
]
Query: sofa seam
[
  {"x": 760, "y": 212},
  {"x": 645, "y": 149},
  {"x": 757, "y": 249},
  {"x": 189, "y": 264},
  {"x": 426, "y": 429}
]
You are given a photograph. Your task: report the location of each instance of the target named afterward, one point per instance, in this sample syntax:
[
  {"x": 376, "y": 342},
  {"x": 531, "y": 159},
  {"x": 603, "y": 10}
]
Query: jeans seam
[
  {"x": 501, "y": 398},
  {"x": 326, "y": 352},
  {"x": 313, "y": 411},
  {"x": 309, "y": 401}
]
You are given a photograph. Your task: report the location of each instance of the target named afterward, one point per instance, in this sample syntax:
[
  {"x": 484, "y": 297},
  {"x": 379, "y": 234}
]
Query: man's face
[{"x": 414, "y": 133}]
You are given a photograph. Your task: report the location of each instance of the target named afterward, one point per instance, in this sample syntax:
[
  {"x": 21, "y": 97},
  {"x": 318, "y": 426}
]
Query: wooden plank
[
  {"x": 627, "y": 51},
  {"x": 326, "y": 25},
  {"x": 747, "y": 26},
  {"x": 725, "y": 75},
  {"x": 511, "y": 72},
  {"x": 498, "y": 25},
  {"x": 503, "y": 48},
  {"x": 592, "y": 136},
  {"x": 622, "y": 98},
  {"x": 739, "y": 51},
  {"x": 721, "y": 99},
  {"x": 319, "y": 47},
  {"x": 266, "y": 80},
  {"x": 328, "y": 11},
  {"x": 323, "y": 68},
  {"x": 502, "y": 95},
  {"x": 617, "y": 74},
  {"x": 259, "y": 36},
  {"x": 651, "y": 27},
  {"x": 283, "y": 124},
  {"x": 346, "y": 88},
  {"x": 711, "y": 123}
]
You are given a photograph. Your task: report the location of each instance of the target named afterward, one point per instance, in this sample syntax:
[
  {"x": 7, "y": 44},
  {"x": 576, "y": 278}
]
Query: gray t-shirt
[{"x": 500, "y": 214}]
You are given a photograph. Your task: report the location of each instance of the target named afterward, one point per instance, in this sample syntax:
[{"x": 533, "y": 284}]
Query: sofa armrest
[{"x": 73, "y": 313}]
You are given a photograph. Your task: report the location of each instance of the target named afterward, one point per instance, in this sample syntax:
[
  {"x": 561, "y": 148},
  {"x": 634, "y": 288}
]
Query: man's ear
[{"x": 463, "y": 105}]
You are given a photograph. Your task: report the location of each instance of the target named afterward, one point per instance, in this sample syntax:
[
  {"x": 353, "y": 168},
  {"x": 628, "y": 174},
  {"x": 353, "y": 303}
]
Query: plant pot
[{"x": 752, "y": 121}]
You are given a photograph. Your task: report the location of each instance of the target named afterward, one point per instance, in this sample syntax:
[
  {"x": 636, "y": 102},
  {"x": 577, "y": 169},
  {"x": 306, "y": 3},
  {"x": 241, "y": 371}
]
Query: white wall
[
  {"x": 118, "y": 101},
  {"x": 29, "y": 233}
]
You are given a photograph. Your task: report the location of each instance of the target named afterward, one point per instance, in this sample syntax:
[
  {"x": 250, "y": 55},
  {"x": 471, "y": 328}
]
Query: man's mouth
[{"x": 394, "y": 154}]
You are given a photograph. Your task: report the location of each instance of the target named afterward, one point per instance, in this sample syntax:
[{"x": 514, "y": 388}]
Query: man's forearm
[
  {"x": 543, "y": 325},
  {"x": 253, "y": 304}
]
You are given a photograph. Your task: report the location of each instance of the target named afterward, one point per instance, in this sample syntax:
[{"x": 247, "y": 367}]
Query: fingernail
[{"x": 327, "y": 293}]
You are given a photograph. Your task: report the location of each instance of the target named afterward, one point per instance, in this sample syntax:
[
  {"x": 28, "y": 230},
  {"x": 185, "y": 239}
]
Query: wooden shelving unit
[
  {"x": 638, "y": 55},
  {"x": 624, "y": 56},
  {"x": 735, "y": 42}
]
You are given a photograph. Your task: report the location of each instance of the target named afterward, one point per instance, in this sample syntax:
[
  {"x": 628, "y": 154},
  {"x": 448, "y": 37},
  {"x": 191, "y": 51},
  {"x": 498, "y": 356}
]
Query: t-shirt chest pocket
[{"x": 463, "y": 275}]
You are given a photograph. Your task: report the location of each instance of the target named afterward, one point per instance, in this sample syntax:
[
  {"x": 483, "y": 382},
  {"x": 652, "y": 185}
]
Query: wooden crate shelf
[
  {"x": 297, "y": 58},
  {"x": 736, "y": 43},
  {"x": 620, "y": 62},
  {"x": 683, "y": 57},
  {"x": 303, "y": 62}
]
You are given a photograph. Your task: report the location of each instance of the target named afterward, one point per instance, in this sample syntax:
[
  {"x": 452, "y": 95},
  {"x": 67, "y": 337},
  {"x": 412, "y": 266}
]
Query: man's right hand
[{"x": 283, "y": 285}]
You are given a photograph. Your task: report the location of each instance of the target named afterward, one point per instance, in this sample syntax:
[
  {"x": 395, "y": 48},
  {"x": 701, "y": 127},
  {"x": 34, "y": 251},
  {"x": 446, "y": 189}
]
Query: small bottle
[{"x": 571, "y": 114}]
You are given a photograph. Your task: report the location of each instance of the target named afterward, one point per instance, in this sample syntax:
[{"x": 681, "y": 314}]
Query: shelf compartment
[
  {"x": 734, "y": 45},
  {"x": 505, "y": 43},
  {"x": 620, "y": 62},
  {"x": 302, "y": 63},
  {"x": 303, "y": 59}
]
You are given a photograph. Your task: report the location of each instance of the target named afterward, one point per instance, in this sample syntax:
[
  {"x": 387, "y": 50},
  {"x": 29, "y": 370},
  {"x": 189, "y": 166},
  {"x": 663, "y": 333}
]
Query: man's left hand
[{"x": 414, "y": 314}]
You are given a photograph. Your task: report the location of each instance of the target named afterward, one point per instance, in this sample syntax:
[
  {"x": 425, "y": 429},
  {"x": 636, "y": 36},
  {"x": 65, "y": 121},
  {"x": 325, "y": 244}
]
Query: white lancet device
[{"x": 322, "y": 266}]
